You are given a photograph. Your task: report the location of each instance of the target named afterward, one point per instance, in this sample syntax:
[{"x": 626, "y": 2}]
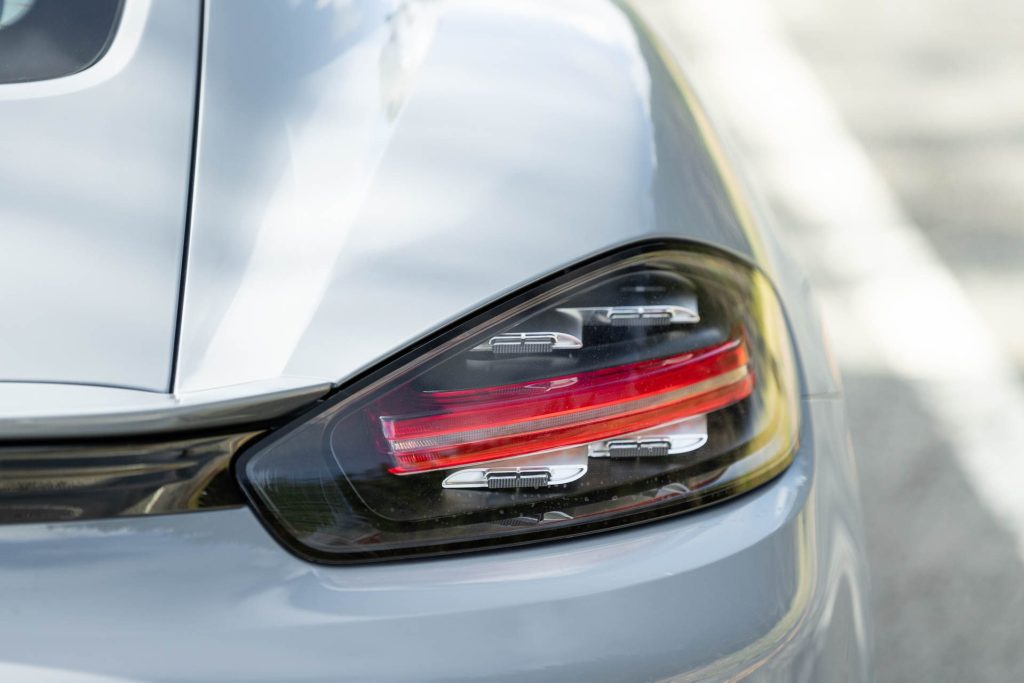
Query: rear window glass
[{"x": 42, "y": 39}]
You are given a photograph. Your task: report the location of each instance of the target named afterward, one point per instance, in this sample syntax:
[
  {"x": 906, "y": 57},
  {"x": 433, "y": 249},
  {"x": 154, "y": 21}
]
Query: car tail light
[{"x": 635, "y": 386}]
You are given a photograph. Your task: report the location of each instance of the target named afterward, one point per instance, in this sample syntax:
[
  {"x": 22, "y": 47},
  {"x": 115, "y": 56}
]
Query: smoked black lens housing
[{"x": 641, "y": 384}]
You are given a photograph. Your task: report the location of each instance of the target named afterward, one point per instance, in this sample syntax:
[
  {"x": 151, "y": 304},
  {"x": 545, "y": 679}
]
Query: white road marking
[{"x": 891, "y": 304}]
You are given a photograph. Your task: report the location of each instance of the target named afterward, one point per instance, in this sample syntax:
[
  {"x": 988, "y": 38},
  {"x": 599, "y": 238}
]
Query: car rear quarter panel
[{"x": 369, "y": 171}]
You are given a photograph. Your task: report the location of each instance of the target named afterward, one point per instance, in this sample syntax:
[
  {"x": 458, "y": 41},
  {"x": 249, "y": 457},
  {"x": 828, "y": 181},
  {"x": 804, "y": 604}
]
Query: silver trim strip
[
  {"x": 676, "y": 438},
  {"x": 513, "y": 478},
  {"x": 520, "y": 343}
]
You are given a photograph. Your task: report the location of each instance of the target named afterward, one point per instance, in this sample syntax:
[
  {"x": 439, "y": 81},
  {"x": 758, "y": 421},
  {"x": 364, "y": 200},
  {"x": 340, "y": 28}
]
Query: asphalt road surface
[{"x": 888, "y": 138}]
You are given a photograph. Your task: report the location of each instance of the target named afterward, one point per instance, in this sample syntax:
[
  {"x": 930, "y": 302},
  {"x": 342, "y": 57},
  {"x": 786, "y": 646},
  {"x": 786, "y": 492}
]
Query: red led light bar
[{"x": 476, "y": 425}]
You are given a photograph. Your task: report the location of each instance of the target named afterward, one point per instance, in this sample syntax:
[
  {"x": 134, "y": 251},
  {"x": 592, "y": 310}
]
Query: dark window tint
[{"x": 42, "y": 39}]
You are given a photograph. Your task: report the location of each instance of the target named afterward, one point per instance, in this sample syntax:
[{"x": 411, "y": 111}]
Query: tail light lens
[{"x": 636, "y": 386}]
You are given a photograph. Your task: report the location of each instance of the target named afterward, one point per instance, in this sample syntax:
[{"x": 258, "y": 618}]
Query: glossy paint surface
[
  {"x": 356, "y": 191},
  {"x": 367, "y": 171},
  {"x": 93, "y": 185},
  {"x": 768, "y": 585}
]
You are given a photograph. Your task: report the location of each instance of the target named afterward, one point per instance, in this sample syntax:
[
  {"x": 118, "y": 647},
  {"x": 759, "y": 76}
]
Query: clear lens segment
[{"x": 642, "y": 384}]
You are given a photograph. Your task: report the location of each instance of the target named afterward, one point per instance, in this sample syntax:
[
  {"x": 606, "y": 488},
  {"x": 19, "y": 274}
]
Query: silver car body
[{"x": 363, "y": 173}]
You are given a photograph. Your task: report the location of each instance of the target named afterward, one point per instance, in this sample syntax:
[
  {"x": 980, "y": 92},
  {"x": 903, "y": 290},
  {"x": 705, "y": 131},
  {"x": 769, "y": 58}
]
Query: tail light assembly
[{"x": 638, "y": 385}]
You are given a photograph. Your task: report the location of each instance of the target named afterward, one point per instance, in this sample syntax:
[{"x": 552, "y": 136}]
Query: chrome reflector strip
[
  {"x": 671, "y": 439},
  {"x": 629, "y": 316},
  {"x": 514, "y": 477},
  {"x": 524, "y": 343}
]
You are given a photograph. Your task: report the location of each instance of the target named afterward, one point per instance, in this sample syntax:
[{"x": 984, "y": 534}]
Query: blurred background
[{"x": 888, "y": 138}]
